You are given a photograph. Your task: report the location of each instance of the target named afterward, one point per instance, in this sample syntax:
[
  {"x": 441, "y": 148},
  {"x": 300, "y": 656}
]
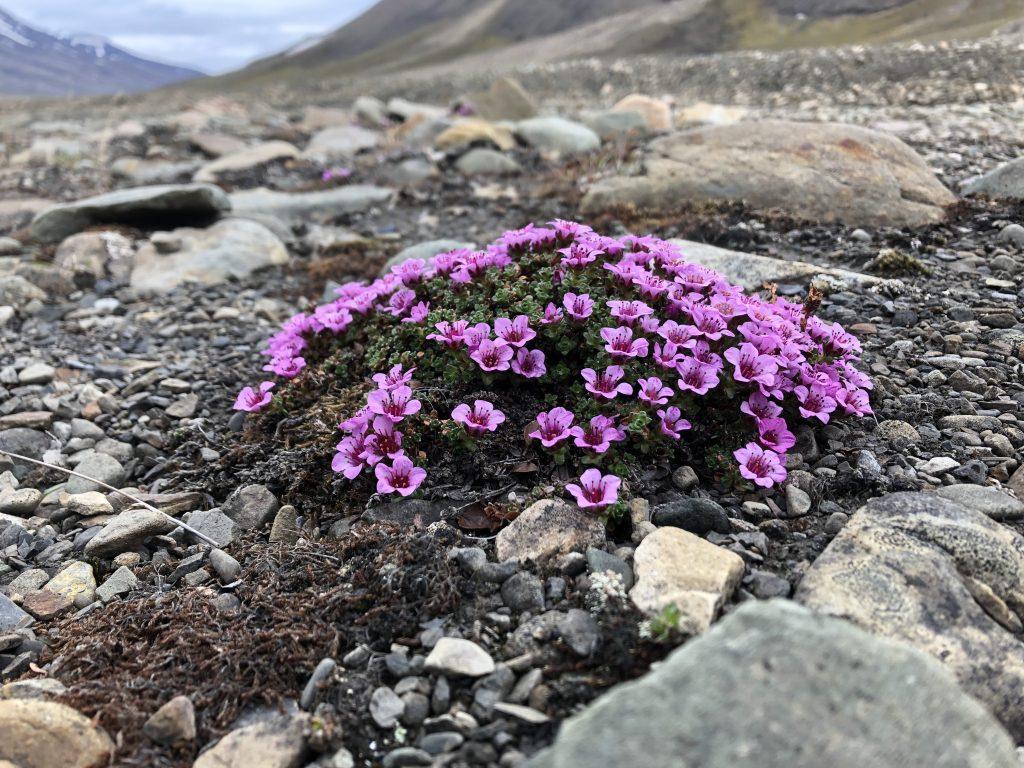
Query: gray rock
[
  {"x": 126, "y": 531},
  {"x": 308, "y": 206},
  {"x": 579, "y": 630},
  {"x": 246, "y": 159},
  {"x": 1012, "y": 233},
  {"x": 22, "y": 502},
  {"x": 506, "y": 99},
  {"x": 320, "y": 675},
  {"x": 386, "y": 707},
  {"x": 696, "y": 515},
  {"x": 406, "y": 757},
  {"x": 145, "y": 172},
  {"x": 985, "y": 499},
  {"x": 482, "y": 161},
  {"x": 1004, "y": 181},
  {"x": 230, "y": 248},
  {"x": 36, "y": 373},
  {"x": 120, "y": 582},
  {"x": 371, "y": 111},
  {"x": 278, "y": 742},
  {"x": 425, "y": 251},
  {"x": 11, "y": 616},
  {"x": 455, "y": 657},
  {"x": 173, "y": 723},
  {"x": 523, "y": 592},
  {"x": 16, "y": 291},
  {"x": 171, "y": 203},
  {"x": 24, "y": 442},
  {"x": 751, "y": 270},
  {"x": 214, "y": 524},
  {"x": 251, "y": 506},
  {"x": 227, "y": 567},
  {"x": 814, "y": 691},
  {"x": 341, "y": 142},
  {"x": 944, "y": 578},
  {"x": 556, "y": 134},
  {"x": 599, "y": 561},
  {"x": 285, "y": 528},
  {"x": 610, "y": 124},
  {"x": 820, "y": 171},
  {"x": 547, "y": 529},
  {"x": 99, "y": 466},
  {"x": 95, "y": 254}
]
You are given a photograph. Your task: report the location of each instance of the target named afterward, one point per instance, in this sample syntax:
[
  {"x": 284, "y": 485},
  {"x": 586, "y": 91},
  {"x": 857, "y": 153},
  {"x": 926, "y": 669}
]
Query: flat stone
[
  {"x": 16, "y": 291},
  {"x": 251, "y": 506},
  {"x": 43, "y": 734},
  {"x": 547, "y": 529},
  {"x": 696, "y": 515},
  {"x": 939, "y": 465},
  {"x": 215, "y": 525},
  {"x": 184, "y": 407},
  {"x": 558, "y": 135},
  {"x": 985, "y": 499},
  {"x": 946, "y": 579},
  {"x": 482, "y": 161},
  {"x": 817, "y": 171},
  {"x": 231, "y": 248},
  {"x": 522, "y": 713},
  {"x": 472, "y": 132},
  {"x": 37, "y": 373},
  {"x": 25, "y": 442},
  {"x": 386, "y": 707},
  {"x": 168, "y": 203},
  {"x": 99, "y": 466},
  {"x": 120, "y": 582},
  {"x": 88, "y": 504},
  {"x": 246, "y": 159},
  {"x": 11, "y": 616},
  {"x": 341, "y": 142},
  {"x": 307, "y": 206},
  {"x": 275, "y": 743},
  {"x": 751, "y": 271},
  {"x": 127, "y": 531},
  {"x": 814, "y": 691},
  {"x": 459, "y": 658},
  {"x": 45, "y": 605},
  {"x": 1003, "y": 181},
  {"x": 76, "y": 581},
  {"x": 673, "y": 566},
  {"x": 27, "y": 419},
  {"x": 21, "y": 502}
]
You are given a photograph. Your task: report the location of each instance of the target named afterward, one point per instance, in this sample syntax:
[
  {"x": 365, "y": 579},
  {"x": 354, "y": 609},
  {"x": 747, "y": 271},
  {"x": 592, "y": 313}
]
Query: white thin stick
[{"x": 174, "y": 520}]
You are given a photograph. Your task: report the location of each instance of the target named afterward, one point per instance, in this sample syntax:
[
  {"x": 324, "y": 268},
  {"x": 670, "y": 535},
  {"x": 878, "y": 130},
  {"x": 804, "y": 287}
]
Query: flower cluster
[{"x": 628, "y": 349}]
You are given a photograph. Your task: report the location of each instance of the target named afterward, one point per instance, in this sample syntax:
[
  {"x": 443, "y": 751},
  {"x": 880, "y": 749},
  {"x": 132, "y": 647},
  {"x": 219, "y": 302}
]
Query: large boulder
[
  {"x": 816, "y": 171},
  {"x": 1006, "y": 180},
  {"x": 246, "y": 159},
  {"x": 557, "y": 135},
  {"x": 944, "y": 578},
  {"x": 306, "y": 206},
  {"x": 775, "y": 686},
  {"x": 230, "y": 248},
  {"x": 167, "y": 204},
  {"x": 44, "y": 734}
]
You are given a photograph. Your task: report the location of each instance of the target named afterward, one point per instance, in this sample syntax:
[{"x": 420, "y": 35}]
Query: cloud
[{"x": 211, "y": 36}]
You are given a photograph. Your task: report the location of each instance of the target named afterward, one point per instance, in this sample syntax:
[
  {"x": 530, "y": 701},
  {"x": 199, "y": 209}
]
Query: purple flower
[
  {"x": 552, "y": 315},
  {"x": 475, "y": 336},
  {"x": 492, "y": 355},
  {"x": 552, "y": 426},
  {"x": 483, "y": 417},
  {"x": 651, "y": 286},
  {"x": 667, "y": 357},
  {"x": 393, "y": 379},
  {"x": 815, "y": 402},
  {"x": 751, "y": 366},
  {"x": 578, "y": 307},
  {"x": 760, "y": 407},
  {"x": 775, "y": 434},
  {"x": 710, "y": 323},
  {"x": 400, "y": 302},
  {"x": 333, "y": 317},
  {"x": 252, "y": 401},
  {"x": 410, "y": 271},
  {"x": 358, "y": 425},
  {"x": 288, "y": 367},
  {"x": 598, "y": 436},
  {"x": 628, "y": 312},
  {"x": 606, "y": 386},
  {"x": 402, "y": 477},
  {"x": 595, "y": 491},
  {"x": 384, "y": 442},
  {"x": 578, "y": 255},
  {"x": 620, "y": 344},
  {"x": 652, "y": 392},
  {"x": 529, "y": 363},
  {"x": 349, "y": 460},
  {"x": 702, "y": 354},
  {"x": 450, "y": 334},
  {"x": 396, "y": 404},
  {"x": 672, "y": 422},
  {"x": 678, "y": 334},
  {"x": 418, "y": 313},
  {"x": 854, "y": 401},
  {"x": 697, "y": 377},
  {"x": 514, "y": 332},
  {"x": 763, "y": 467},
  {"x": 625, "y": 271}
]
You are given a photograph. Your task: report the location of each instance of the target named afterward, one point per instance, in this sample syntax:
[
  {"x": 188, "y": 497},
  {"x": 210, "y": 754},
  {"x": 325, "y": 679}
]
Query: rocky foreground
[{"x": 869, "y": 613}]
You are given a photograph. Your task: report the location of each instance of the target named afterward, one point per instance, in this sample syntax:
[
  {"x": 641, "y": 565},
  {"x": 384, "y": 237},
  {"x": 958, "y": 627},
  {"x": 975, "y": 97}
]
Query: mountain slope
[
  {"x": 34, "y": 63},
  {"x": 399, "y": 35}
]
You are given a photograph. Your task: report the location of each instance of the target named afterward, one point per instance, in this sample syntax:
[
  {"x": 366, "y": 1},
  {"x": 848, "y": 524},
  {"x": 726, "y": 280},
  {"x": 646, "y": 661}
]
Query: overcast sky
[{"x": 211, "y": 35}]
